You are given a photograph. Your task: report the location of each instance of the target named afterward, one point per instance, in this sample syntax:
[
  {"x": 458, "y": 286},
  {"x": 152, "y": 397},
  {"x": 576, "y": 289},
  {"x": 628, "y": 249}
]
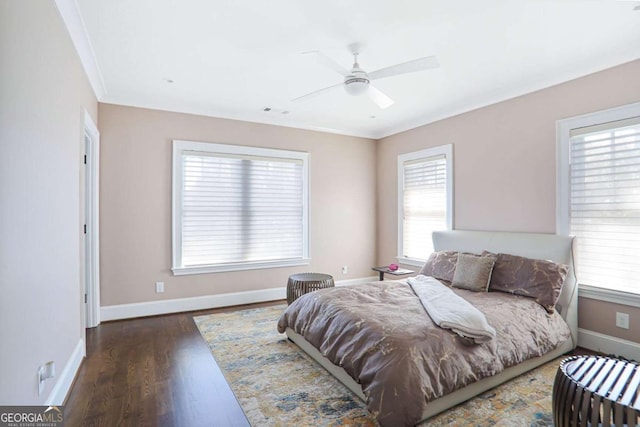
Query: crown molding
[{"x": 75, "y": 26}]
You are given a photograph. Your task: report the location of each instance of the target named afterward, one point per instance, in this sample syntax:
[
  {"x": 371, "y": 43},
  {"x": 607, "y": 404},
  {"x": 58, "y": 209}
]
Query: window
[
  {"x": 599, "y": 196},
  {"x": 425, "y": 201},
  {"x": 238, "y": 208}
]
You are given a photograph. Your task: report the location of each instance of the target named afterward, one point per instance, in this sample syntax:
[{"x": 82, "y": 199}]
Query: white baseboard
[
  {"x": 607, "y": 344},
  {"x": 68, "y": 374},
  {"x": 153, "y": 308}
]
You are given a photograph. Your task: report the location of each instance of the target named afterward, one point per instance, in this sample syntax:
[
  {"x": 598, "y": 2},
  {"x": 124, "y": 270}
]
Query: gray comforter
[{"x": 382, "y": 336}]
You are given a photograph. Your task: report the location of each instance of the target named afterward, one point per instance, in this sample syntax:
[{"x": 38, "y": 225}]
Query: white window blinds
[
  {"x": 239, "y": 209},
  {"x": 425, "y": 200},
  {"x": 604, "y": 205}
]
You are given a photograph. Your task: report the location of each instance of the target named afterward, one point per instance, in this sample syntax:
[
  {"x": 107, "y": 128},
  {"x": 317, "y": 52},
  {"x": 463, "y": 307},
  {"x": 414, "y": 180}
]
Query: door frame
[{"x": 91, "y": 218}]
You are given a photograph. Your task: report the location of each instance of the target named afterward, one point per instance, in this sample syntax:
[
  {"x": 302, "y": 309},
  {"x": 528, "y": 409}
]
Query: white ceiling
[{"x": 232, "y": 58}]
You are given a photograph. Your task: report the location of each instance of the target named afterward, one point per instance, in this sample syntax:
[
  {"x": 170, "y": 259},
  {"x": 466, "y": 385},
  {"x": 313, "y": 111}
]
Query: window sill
[
  {"x": 183, "y": 271},
  {"x": 609, "y": 295},
  {"x": 411, "y": 261}
]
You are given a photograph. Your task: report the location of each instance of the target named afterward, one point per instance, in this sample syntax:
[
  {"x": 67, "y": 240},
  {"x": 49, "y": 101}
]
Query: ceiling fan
[{"x": 357, "y": 81}]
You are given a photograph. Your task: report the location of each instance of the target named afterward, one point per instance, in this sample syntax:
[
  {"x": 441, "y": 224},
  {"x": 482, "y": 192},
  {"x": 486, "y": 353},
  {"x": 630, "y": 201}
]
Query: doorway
[{"x": 90, "y": 227}]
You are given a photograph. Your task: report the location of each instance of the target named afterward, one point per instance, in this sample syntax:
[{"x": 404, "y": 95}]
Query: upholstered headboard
[{"x": 552, "y": 247}]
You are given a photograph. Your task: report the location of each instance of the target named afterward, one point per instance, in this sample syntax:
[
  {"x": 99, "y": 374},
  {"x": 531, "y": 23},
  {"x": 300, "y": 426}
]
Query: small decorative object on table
[
  {"x": 596, "y": 391},
  {"x": 393, "y": 271},
  {"x": 302, "y": 283}
]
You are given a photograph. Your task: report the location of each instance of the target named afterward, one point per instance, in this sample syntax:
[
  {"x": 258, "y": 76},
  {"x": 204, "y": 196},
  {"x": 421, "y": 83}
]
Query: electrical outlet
[
  {"x": 345, "y": 269},
  {"x": 159, "y": 287},
  {"x": 50, "y": 370},
  {"x": 622, "y": 320},
  {"x": 46, "y": 371}
]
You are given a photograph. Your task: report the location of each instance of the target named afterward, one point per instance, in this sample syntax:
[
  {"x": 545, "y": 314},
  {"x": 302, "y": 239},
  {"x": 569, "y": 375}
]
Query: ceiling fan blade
[
  {"x": 328, "y": 62},
  {"x": 381, "y": 100},
  {"x": 421, "y": 64},
  {"x": 316, "y": 93}
]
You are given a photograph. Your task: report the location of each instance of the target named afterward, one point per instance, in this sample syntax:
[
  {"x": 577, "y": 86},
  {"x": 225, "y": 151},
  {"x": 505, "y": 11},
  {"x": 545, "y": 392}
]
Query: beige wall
[
  {"x": 505, "y": 168},
  {"x": 43, "y": 91},
  {"x": 600, "y": 316},
  {"x": 135, "y": 199}
]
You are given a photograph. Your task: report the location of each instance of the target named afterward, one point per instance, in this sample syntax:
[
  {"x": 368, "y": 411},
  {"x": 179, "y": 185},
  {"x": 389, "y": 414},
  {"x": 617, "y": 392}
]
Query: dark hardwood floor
[{"x": 152, "y": 371}]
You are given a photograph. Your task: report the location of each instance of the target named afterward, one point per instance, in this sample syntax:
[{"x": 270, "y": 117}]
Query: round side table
[
  {"x": 596, "y": 391},
  {"x": 302, "y": 283}
]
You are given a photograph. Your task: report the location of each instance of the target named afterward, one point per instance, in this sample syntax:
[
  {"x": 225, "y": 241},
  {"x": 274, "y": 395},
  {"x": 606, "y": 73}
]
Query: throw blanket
[{"x": 450, "y": 311}]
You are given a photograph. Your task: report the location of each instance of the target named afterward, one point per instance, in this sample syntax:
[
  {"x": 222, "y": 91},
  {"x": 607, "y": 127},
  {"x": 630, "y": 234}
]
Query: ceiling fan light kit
[{"x": 356, "y": 85}]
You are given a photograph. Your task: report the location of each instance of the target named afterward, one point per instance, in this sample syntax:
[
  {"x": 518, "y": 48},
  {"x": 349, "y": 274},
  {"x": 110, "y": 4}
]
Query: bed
[{"x": 452, "y": 379}]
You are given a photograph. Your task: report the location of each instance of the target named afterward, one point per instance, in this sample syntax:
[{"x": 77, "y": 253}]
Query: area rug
[{"x": 277, "y": 384}]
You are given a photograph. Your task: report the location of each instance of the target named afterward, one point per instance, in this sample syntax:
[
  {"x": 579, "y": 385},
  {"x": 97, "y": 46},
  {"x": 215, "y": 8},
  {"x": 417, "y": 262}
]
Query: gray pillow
[
  {"x": 441, "y": 265},
  {"x": 533, "y": 278},
  {"x": 473, "y": 272}
]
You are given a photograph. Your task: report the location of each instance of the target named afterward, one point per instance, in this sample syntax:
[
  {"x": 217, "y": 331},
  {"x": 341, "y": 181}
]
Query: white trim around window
[
  {"x": 226, "y": 196},
  {"x": 431, "y": 160},
  {"x": 587, "y": 135}
]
